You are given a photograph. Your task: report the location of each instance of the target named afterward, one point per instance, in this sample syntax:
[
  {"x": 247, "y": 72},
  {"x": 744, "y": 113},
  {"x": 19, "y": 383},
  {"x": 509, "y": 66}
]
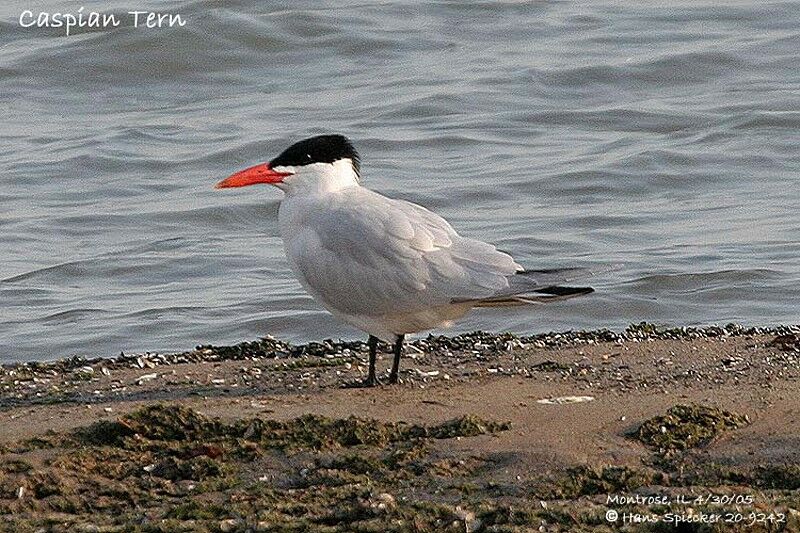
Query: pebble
[
  {"x": 145, "y": 378},
  {"x": 230, "y": 524},
  {"x": 383, "y": 501}
]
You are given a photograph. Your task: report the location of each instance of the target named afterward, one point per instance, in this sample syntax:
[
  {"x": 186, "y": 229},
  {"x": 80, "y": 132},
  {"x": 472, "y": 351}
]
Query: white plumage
[{"x": 388, "y": 267}]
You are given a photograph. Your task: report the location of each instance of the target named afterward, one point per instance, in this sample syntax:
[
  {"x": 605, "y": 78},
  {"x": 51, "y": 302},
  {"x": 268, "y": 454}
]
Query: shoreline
[
  {"x": 62, "y": 380},
  {"x": 270, "y": 347},
  {"x": 486, "y": 432}
]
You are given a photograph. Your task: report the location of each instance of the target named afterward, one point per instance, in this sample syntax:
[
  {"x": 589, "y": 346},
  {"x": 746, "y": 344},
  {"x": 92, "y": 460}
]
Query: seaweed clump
[
  {"x": 168, "y": 468},
  {"x": 687, "y": 426},
  {"x": 583, "y": 480},
  {"x": 172, "y": 423}
]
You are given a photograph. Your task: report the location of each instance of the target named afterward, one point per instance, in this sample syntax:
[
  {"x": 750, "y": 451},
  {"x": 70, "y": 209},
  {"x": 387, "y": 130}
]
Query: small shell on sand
[{"x": 560, "y": 400}]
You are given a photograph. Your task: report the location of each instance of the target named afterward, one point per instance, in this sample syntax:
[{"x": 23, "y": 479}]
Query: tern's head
[{"x": 319, "y": 164}]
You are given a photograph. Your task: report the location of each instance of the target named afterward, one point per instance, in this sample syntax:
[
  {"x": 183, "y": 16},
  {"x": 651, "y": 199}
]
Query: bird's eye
[{"x": 308, "y": 156}]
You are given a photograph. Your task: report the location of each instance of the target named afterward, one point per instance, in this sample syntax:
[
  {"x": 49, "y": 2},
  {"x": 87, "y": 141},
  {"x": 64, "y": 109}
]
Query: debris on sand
[
  {"x": 168, "y": 468},
  {"x": 478, "y": 342},
  {"x": 687, "y": 426},
  {"x": 586, "y": 362},
  {"x": 788, "y": 342},
  {"x": 583, "y": 480},
  {"x": 562, "y": 400},
  {"x": 175, "y": 423}
]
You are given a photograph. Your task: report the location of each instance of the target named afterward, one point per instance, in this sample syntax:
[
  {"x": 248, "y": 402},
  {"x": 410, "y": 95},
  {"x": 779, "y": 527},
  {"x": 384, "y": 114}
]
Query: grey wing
[
  {"x": 538, "y": 286},
  {"x": 386, "y": 256}
]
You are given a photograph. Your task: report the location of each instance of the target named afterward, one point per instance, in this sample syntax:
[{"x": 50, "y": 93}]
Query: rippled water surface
[{"x": 568, "y": 133}]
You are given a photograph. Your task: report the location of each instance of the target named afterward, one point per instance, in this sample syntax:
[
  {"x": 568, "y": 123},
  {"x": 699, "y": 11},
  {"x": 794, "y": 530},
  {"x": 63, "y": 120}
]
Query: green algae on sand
[
  {"x": 167, "y": 468},
  {"x": 687, "y": 426}
]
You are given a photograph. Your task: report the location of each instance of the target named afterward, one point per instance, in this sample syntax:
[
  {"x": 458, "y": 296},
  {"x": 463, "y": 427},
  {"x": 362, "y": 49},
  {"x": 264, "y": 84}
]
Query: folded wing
[{"x": 372, "y": 255}]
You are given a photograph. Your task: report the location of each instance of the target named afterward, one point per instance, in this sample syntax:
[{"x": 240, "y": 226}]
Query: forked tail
[{"x": 536, "y": 287}]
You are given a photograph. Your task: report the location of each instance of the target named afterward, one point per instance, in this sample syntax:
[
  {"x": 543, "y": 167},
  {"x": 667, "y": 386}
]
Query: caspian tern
[{"x": 388, "y": 267}]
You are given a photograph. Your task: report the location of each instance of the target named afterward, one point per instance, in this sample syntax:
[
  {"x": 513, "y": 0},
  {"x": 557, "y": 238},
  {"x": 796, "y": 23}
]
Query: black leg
[
  {"x": 398, "y": 349},
  {"x": 372, "y": 380}
]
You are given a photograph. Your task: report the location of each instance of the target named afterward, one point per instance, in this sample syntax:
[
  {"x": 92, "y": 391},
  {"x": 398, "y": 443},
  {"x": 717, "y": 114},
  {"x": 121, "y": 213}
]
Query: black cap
[{"x": 319, "y": 149}]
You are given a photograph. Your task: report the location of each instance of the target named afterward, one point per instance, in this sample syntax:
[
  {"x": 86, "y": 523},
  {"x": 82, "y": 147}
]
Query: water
[{"x": 568, "y": 133}]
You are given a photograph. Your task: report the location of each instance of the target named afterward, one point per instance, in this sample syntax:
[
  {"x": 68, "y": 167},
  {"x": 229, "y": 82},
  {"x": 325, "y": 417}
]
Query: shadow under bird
[{"x": 388, "y": 267}]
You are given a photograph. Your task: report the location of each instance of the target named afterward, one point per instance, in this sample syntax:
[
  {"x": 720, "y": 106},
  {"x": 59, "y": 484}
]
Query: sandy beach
[{"x": 691, "y": 429}]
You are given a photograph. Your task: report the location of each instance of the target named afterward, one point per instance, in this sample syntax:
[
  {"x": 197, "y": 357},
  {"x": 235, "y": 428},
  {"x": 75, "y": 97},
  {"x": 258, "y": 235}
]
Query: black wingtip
[{"x": 565, "y": 291}]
